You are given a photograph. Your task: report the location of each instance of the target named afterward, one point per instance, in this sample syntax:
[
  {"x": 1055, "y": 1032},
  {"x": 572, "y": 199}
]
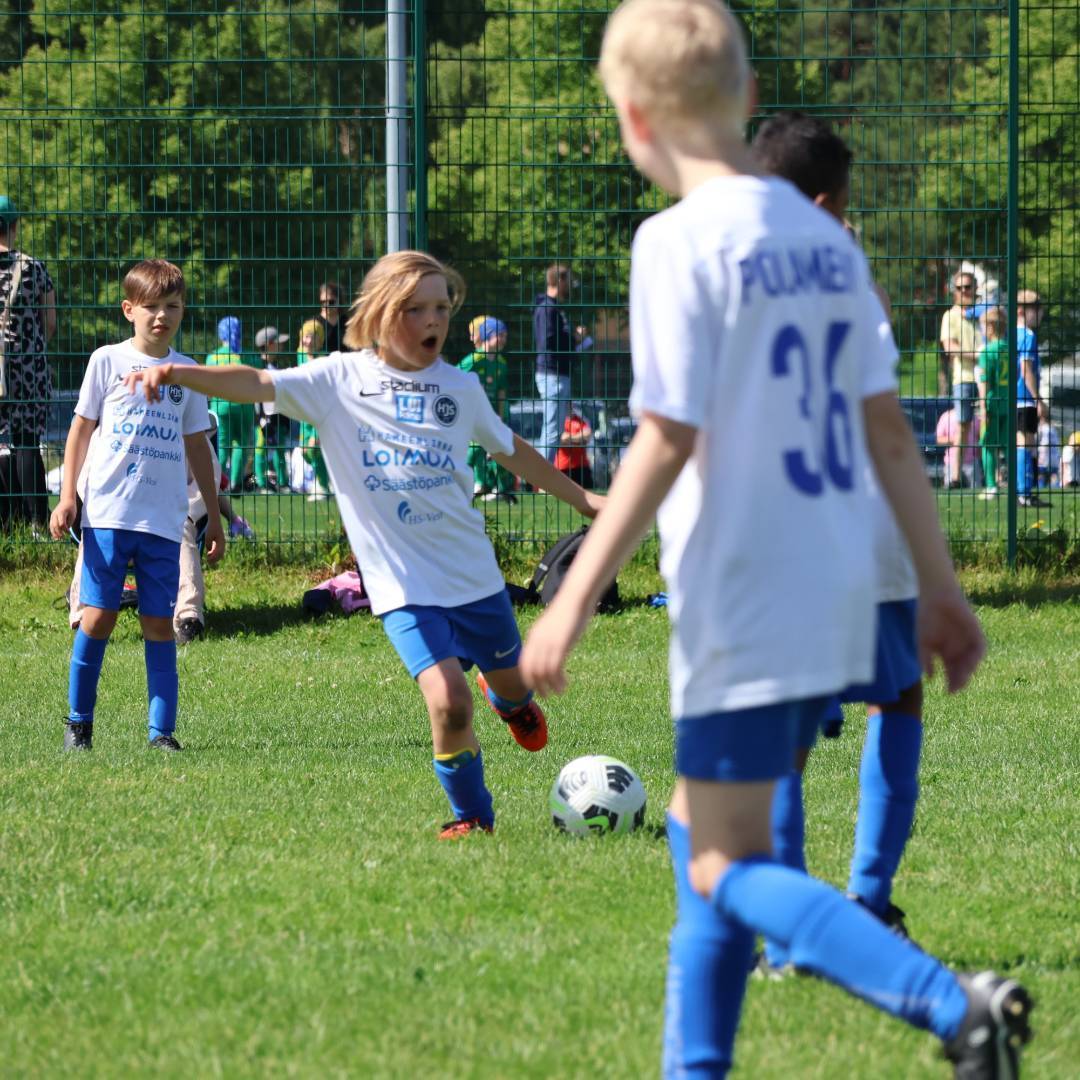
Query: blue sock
[
  {"x": 504, "y": 706},
  {"x": 888, "y": 791},
  {"x": 462, "y": 778},
  {"x": 162, "y": 686},
  {"x": 788, "y": 838},
  {"x": 1023, "y": 470},
  {"x": 708, "y": 961},
  {"x": 87, "y": 654},
  {"x": 840, "y": 941}
]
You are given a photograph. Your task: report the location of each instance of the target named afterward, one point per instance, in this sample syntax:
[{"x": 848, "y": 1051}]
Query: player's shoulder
[{"x": 175, "y": 357}]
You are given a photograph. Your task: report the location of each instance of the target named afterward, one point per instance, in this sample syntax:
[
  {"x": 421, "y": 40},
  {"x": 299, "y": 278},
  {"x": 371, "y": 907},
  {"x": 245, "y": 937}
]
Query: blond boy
[{"x": 744, "y": 296}]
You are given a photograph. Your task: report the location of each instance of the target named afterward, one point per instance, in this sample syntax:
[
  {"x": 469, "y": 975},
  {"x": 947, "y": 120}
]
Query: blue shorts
[
  {"x": 965, "y": 397},
  {"x": 896, "y": 662},
  {"x": 106, "y": 555},
  {"x": 744, "y": 745},
  {"x": 483, "y": 633}
]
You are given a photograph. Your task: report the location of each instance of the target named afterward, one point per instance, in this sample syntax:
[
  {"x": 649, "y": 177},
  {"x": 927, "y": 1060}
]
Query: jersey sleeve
[
  {"x": 488, "y": 429},
  {"x": 878, "y": 347},
  {"x": 94, "y": 385},
  {"x": 675, "y": 332},
  {"x": 196, "y": 414},
  {"x": 307, "y": 392}
]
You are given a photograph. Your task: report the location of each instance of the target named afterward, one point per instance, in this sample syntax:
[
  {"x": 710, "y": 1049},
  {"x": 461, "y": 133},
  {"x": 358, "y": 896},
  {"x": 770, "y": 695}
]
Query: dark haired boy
[{"x": 136, "y": 499}]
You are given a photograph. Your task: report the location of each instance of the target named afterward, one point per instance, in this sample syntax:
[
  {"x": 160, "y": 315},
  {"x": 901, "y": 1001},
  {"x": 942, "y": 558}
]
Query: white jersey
[
  {"x": 137, "y": 470},
  {"x": 897, "y": 579},
  {"x": 395, "y": 444},
  {"x": 749, "y": 322}
]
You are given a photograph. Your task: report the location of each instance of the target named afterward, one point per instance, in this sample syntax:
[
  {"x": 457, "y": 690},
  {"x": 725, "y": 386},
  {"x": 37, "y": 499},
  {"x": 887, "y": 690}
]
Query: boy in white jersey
[
  {"x": 394, "y": 421},
  {"x": 136, "y": 499},
  {"x": 805, "y": 151},
  {"x": 746, "y": 299}
]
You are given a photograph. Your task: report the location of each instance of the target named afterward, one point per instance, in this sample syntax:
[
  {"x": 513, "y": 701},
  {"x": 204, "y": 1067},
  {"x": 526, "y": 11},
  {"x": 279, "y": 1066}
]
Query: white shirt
[
  {"x": 897, "y": 579},
  {"x": 395, "y": 444},
  {"x": 742, "y": 296},
  {"x": 137, "y": 474}
]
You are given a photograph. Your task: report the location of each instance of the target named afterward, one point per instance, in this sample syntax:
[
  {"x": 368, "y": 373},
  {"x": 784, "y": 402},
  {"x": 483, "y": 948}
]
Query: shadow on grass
[
  {"x": 1001, "y": 591},
  {"x": 262, "y": 619}
]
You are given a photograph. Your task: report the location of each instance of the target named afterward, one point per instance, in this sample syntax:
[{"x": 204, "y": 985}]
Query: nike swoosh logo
[
  {"x": 505, "y": 652},
  {"x": 370, "y": 393}
]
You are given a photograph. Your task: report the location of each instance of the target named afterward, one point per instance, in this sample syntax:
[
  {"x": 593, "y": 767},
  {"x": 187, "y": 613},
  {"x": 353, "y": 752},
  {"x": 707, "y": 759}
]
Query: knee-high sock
[
  {"x": 888, "y": 791},
  {"x": 789, "y": 840},
  {"x": 87, "y": 654},
  {"x": 462, "y": 778},
  {"x": 708, "y": 961},
  {"x": 830, "y": 936},
  {"x": 161, "y": 686},
  {"x": 989, "y": 464},
  {"x": 1023, "y": 470}
]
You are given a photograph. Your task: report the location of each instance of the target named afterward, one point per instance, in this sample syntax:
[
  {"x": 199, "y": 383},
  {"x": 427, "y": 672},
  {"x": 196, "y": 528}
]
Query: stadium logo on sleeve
[
  {"x": 176, "y": 394},
  {"x": 445, "y": 410}
]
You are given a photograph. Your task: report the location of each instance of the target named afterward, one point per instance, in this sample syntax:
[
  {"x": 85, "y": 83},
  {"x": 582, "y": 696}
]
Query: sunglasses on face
[{"x": 964, "y": 288}]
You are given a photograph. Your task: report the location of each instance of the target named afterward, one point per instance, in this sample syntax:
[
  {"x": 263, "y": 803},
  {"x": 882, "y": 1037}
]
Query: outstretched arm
[
  {"x": 948, "y": 628},
  {"x": 656, "y": 455},
  {"x": 233, "y": 382},
  {"x": 538, "y": 471}
]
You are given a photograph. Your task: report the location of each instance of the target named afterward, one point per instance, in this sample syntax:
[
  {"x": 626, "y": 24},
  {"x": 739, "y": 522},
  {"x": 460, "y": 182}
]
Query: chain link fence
[{"x": 249, "y": 143}]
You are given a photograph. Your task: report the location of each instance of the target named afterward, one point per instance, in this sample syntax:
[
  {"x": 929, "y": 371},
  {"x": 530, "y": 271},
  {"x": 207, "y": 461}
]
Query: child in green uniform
[
  {"x": 488, "y": 335},
  {"x": 312, "y": 339},
  {"x": 236, "y": 423},
  {"x": 992, "y": 377}
]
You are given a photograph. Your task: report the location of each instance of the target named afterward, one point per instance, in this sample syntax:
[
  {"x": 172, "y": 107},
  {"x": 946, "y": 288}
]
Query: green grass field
[{"x": 273, "y": 901}]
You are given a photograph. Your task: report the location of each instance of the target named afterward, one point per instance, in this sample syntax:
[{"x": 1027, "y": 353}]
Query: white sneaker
[
  {"x": 989, "y": 493},
  {"x": 318, "y": 493}
]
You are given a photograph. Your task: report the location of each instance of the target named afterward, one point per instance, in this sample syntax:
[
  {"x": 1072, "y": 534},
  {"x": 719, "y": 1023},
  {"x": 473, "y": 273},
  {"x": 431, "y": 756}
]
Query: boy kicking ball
[
  {"x": 394, "y": 422},
  {"x": 745, "y": 299}
]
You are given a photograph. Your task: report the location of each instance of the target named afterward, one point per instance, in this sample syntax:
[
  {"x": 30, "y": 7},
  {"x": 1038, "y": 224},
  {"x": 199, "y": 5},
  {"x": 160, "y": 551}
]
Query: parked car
[
  {"x": 610, "y": 434},
  {"x": 1059, "y": 385},
  {"x": 923, "y": 413}
]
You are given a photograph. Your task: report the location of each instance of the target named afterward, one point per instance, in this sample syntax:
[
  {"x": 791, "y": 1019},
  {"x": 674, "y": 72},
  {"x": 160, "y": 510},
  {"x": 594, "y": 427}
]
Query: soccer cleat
[
  {"x": 996, "y": 1026},
  {"x": 762, "y": 969},
  {"x": 989, "y": 493},
  {"x": 893, "y": 917},
  {"x": 167, "y": 743},
  {"x": 528, "y": 724},
  {"x": 79, "y": 735},
  {"x": 188, "y": 631},
  {"x": 455, "y": 830},
  {"x": 1032, "y": 500}
]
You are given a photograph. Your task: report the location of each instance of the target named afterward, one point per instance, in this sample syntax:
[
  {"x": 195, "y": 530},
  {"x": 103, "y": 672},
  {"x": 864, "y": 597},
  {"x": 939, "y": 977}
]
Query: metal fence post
[
  {"x": 419, "y": 127},
  {"x": 397, "y": 120},
  {"x": 1012, "y": 282}
]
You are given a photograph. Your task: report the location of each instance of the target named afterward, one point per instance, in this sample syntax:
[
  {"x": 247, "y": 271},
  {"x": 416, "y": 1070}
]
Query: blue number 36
[{"x": 803, "y": 465}]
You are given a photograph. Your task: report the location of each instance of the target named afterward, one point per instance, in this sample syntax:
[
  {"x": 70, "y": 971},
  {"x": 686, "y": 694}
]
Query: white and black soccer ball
[{"x": 597, "y": 794}]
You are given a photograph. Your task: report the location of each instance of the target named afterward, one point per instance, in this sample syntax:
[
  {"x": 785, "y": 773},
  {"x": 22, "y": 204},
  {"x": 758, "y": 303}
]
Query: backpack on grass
[{"x": 553, "y": 566}]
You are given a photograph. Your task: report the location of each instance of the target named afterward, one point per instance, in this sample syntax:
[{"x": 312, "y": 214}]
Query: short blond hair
[
  {"x": 385, "y": 290},
  {"x": 682, "y": 62}
]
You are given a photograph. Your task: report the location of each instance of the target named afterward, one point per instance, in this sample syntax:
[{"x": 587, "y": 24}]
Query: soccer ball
[{"x": 597, "y": 794}]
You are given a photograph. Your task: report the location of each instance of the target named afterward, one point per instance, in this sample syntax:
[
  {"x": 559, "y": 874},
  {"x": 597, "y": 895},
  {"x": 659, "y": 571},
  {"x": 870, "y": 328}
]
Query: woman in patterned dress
[{"x": 31, "y": 322}]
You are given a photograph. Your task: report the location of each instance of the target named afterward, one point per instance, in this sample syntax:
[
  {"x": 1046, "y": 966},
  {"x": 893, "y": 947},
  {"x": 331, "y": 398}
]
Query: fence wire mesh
[{"x": 248, "y": 143}]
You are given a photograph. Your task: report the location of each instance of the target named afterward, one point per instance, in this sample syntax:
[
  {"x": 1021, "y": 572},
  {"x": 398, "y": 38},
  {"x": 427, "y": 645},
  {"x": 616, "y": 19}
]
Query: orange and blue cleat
[{"x": 527, "y": 724}]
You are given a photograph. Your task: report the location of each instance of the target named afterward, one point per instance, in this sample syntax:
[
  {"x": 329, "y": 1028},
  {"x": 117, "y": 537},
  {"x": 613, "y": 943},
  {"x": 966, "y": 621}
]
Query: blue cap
[
  {"x": 8, "y": 214},
  {"x": 486, "y": 327},
  {"x": 228, "y": 330}
]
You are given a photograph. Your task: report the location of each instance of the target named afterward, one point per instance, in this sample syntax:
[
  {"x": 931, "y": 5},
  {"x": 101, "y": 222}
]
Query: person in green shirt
[
  {"x": 992, "y": 377},
  {"x": 489, "y": 335},
  {"x": 236, "y": 423},
  {"x": 310, "y": 345}
]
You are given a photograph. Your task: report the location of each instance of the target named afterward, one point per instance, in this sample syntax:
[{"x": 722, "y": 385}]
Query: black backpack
[{"x": 552, "y": 568}]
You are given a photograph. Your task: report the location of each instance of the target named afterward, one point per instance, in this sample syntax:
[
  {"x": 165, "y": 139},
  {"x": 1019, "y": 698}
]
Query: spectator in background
[
  {"x": 489, "y": 337},
  {"x": 329, "y": 316},
  {"x": 571, "y": 458},
  {"x": 555, "y": 346},
  {"x": 274, "y": 429},
  {"x": 960, "y": 343},
  {"x": 27, "y": 322},
  {"x": 1048, "y": 464},
  {"x": 236, "y": 423},
  {"x": 960, "y": 455},
  {"x": 1070, "y": 461},
  {"x": 1030, "y": 407},
  {"x": 992, "y": 375},
  {"x": 310, "y": 346}
]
